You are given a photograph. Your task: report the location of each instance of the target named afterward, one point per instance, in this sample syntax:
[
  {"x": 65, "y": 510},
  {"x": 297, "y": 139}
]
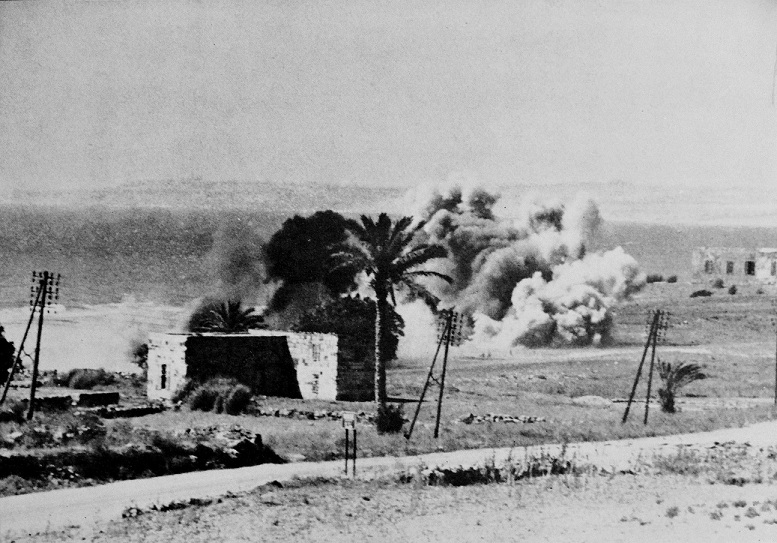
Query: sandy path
[{"x": 85, "y": 506}]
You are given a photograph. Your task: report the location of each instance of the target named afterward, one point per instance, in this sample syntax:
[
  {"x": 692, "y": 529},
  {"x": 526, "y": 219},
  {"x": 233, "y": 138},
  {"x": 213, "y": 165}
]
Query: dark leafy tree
[
  {"x": 353, "y": 320},
  {"x": 390, "y": 255},
  {"x": 226, "y": 317},
  {"x": 301, "y": 252}
]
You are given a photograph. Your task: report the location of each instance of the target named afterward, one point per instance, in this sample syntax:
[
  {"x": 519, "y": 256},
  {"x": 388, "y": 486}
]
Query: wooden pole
[
  {"x": 21, "y": 348},
  {"x": 639, "y": 369},
  {"x": 442, "y": 377},
  {"x": 652, "y": 362},
  {"x": 347, "y": 450},
  {"x": 426, "y": 384},
  {"x": 43, "y": 286}
]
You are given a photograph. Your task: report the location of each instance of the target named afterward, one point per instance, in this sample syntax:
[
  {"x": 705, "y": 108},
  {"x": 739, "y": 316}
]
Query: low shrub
[
  {"x": 390, "y": 419},
  {"x": 671, "y": 279},
  {"x": 655, "y": 278},
  {"x": 238, "y": 400},
  {"x": 701, "y": 293},
  {"x": 220, "y": 395},
  {"x": 86, "y": 428},
  {"x": 86, "y": 379},
  {"x": 202, "y": 398},
  {"x": 732, "y": 289},
  {"x": 168, "y": 444},
  {"x": 717, "y": 283},
  {"x": 12, "y": 411},
  {"x": 185, "y": 391}
]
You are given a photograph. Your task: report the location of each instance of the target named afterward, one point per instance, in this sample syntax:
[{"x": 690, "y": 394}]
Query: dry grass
[
  {"x": 729, "y": 336},
  {"x": 580, "y": 505}
]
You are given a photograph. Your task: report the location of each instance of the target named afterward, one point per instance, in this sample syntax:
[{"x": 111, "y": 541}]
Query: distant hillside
[
  {"x": 617, "y": 200},
  {"x": 198, "y": 194}
]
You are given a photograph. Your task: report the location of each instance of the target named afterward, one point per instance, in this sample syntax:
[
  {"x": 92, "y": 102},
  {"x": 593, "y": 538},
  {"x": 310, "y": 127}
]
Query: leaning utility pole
[
  {"x": 20, "y": 350},
  {"x": 47, "y": 293},
  {"x": 657, "y": 323},
  {"x": 450, "y": 325}
]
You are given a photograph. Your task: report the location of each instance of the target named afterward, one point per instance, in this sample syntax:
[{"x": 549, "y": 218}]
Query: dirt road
[{"x": 33, "y": 513}]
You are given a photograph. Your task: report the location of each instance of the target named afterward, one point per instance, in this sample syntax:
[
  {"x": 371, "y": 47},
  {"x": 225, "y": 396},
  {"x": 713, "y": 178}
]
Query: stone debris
[
  {"x": 319, "y": 414},
  {"x": 493, "y": 417},
  {"x": 115, "y": 411}
]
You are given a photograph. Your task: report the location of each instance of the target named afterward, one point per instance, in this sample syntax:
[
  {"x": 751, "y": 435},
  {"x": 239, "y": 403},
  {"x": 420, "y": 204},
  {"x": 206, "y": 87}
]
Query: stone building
[
  {"x": 735, "y": 265},
  {"x": 272, "y": 363}
]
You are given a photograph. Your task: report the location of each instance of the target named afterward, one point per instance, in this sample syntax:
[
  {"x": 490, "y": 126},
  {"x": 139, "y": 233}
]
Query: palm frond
[
  {"x": 428, "y": 273},
  {"x": 399, "y": 238},
  {"x": 421, "y": 255},
  {"x": 417, "y": 291},
  {"x": 230, "y": 317}
]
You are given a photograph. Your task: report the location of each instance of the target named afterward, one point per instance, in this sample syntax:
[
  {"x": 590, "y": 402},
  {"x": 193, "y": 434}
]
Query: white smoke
[
  {"x": 527, "y": 280},
  {"x": 573, "y": 308}
]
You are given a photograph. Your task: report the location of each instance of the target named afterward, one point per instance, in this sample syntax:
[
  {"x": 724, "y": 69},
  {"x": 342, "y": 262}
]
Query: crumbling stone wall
[
  {"x": 732, "y": 265},
  {"x": 766, "y": 266},
  {"x": 314, "y": 366}
]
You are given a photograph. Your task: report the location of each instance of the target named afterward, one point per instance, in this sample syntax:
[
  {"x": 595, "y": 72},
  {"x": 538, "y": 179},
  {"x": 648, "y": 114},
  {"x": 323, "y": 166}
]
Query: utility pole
[
  {"x": 47, "y": 293},
  {"x": 652, "y": 325},
  {"x": 659, "y": 334},
  {"x": 442, "y": 376},
  {"x": 429, "y": 379},
  {"x": 21, "y": 347},
  {"x": 450, "y": 326},
  {"x": 657, "y": 322},
  {"x": 774, "y": 323}
]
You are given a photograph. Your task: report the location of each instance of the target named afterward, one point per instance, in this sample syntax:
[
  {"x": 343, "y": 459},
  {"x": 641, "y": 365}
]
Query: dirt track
[{"x": 92, "y": 506}]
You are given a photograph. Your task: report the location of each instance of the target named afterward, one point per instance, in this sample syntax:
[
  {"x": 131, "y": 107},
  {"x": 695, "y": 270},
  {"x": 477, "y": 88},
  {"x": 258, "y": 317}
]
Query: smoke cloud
[
  {"x": 237, "y": 257},
  {"x": 527, "y": 280}
]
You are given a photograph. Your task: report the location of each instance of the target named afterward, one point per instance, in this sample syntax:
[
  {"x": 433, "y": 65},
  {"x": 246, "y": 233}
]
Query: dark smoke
[
  {"x": 528, "y": 279},
  {"x": 238, "y": 258}
]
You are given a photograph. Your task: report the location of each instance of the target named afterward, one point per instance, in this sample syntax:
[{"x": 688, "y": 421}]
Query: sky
[{"x": 391, "y": 93}]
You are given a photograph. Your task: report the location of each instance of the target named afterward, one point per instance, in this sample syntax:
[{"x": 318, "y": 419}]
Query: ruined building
[
  {"x": 271, "y": 363},
  {"x": 735, "y": 265}
]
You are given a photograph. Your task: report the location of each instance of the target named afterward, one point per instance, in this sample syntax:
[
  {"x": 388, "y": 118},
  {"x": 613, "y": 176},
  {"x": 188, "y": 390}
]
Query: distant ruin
[
  {"x": 271, "y": 363},
  {"x": 735, "y": 265}
]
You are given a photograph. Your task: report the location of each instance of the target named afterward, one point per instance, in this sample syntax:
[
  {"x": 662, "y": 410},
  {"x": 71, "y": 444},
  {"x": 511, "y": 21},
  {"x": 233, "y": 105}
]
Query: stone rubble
[{"x": 494, "y": 417}]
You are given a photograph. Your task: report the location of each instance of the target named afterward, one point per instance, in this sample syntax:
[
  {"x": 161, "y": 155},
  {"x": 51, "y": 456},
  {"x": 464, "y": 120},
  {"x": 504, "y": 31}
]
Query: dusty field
[
  {"x": 730, "y": 336},
  {"x": 560, "y": 508}
]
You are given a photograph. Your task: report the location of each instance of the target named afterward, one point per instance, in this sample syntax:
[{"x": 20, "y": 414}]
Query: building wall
[
  {"x": 166, "y": 355},
  {"x": 315, "y": 359},
  {"x": 320, "y": 372},
  {"x": 733, "y": 265},
  {"x": 323, "y": 365},
  {"x": 264, "y": 364},
  {"x": 766, "y": 266}
]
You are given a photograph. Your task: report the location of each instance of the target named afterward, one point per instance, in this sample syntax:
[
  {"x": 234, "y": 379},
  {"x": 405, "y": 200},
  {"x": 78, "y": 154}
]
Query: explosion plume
[{"x": 528, "y": 280}]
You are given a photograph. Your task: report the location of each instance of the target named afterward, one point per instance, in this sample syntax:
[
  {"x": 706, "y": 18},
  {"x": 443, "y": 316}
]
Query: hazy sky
[{"x": 100, "y": 92}]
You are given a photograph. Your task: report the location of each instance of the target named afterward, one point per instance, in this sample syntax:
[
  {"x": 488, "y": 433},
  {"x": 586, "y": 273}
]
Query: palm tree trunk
[{"x": 380, "y": 364}]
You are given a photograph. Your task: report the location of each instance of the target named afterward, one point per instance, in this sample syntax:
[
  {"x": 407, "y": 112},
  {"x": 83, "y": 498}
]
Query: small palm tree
[
  {"x": 674, "y": 378},
  {"x": 389, "y": 255},
  {"x": 228, "y": 318}
]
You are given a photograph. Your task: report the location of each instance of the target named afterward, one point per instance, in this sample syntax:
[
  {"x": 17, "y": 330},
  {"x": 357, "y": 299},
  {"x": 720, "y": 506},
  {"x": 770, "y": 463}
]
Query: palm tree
[
  {"x": 227, "y": 317},
  {"x": 389, "y": 256},
  {"x": 674, "y": 378}
]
